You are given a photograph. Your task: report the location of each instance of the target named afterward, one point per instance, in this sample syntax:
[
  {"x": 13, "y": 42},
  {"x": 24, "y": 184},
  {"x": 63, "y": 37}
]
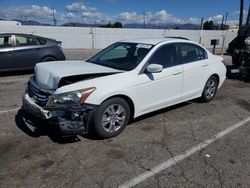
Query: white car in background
[{"x": 126, "y": 80}]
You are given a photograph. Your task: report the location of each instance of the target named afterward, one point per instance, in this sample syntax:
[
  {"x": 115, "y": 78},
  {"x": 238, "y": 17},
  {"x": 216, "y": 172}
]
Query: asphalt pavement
[{"x": 153, "y": 151}]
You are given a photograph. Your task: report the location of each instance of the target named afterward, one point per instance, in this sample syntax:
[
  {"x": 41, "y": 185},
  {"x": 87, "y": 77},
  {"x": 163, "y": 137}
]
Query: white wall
[{"x": 98, "y": 38}]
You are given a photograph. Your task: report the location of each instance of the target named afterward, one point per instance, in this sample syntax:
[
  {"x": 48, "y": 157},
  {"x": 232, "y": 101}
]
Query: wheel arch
[
  {"x": 128, "y": 100},
  {"x": 217, "y": 77},
  {"x": 48, "y": 56},
  {"x": 212, "y": 74}
]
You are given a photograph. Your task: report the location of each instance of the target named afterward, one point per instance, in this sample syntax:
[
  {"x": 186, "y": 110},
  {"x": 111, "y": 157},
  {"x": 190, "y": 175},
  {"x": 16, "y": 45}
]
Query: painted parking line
[
  {"x": 11, "y": 110},
  {"x": 181, "y": 157}
]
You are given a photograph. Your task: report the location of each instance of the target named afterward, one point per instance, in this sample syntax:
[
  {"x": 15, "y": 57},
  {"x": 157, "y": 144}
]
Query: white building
[{"x": 9, "y": 23}]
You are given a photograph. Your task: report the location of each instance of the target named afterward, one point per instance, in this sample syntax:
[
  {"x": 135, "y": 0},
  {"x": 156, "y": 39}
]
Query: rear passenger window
[
  {"x": 5, "y": 42},
  {"x": 25, "y": 41},
  {"x": 42, "y": 41},
  {"x": 191, "y": 52},
  {"x": 165, "y": 56}
]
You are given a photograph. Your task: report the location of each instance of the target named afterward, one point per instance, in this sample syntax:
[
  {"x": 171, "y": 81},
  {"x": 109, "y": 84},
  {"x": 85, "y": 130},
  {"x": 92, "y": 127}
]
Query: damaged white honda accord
[{"x": 126, "y": 80}]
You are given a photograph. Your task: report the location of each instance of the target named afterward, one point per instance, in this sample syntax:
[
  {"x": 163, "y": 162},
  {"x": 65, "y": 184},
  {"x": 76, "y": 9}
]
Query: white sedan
[{"x": 126, "y": 80}]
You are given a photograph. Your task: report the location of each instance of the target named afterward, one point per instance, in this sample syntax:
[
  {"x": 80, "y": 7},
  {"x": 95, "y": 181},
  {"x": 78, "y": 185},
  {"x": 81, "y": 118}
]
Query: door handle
[
  {"x": 205, "y": 65},
  {"x": 177, "y": 73},
  {"x": 9, "y": 53}
]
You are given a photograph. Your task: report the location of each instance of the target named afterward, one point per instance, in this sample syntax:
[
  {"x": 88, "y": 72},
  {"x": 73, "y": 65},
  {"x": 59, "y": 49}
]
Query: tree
[
  {"x": 115, "y": 25},
  {"x": 208, "y": 25}
]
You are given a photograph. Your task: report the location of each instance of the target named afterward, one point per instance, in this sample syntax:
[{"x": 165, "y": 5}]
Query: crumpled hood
[{"x": 49, "y": 74}]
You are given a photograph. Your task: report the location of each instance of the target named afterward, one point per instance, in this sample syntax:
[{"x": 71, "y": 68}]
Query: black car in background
[
  {"x": 23, "y": 51},
  {"x": 239, "y": 49}
]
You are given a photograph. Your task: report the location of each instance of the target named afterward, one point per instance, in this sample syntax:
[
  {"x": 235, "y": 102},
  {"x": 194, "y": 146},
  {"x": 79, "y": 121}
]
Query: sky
[{"x": 125, "y": 11}]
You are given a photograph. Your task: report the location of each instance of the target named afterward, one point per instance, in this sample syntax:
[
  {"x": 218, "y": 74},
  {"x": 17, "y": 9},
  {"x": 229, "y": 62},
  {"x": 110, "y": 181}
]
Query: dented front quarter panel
[{"x": 106, "y": 87}]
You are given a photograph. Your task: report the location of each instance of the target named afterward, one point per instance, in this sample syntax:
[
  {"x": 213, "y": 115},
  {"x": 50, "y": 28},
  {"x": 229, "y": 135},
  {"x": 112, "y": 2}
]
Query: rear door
[
  {"x": 6, "y": 52},
  {"x": 195, "y": 64},
  {"x": 27, "y": 51}
]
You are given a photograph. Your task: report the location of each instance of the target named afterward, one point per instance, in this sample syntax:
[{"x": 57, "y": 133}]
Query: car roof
[
  {"x": 155, "y": 40},
  {"x": 24, "y": 34},
  {"x": 16, "y": 34},
  {"x": 4, "y": 34}
]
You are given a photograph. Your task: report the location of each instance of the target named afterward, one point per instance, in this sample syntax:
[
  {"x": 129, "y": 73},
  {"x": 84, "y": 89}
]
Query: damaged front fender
[{"x": 73, "y": 120}]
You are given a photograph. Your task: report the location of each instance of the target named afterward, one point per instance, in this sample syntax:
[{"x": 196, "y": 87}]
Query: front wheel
[
  {"x": 210, "y": 89},
  {"x": 111, "y": 117}
]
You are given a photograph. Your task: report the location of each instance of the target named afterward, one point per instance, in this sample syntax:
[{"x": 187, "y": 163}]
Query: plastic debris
[{"x": 207, "y": 155}]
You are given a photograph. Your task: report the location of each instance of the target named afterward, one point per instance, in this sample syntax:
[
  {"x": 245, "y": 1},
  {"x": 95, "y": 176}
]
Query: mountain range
[{"x": 131, "y": 25}]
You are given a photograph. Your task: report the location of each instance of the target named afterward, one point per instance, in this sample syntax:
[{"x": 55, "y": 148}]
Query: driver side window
[{"x": 165, "y": 56}]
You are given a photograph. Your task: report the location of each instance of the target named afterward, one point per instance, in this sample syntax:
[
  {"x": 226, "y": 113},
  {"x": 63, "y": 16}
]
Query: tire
[
  {"x": 111, "y": 117},
  {"x": 48, "y": 59},
  {"x": 210, "y": 89}
]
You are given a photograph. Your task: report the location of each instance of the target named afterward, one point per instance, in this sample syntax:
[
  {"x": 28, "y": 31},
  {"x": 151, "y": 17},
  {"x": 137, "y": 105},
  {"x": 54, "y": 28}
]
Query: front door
[{"x": 157, "y": 90}]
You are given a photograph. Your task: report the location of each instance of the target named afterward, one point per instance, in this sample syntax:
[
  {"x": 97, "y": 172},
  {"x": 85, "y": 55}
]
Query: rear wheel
[
  {"x": 48, "y": 59},
  {"x": 210, "y": 89},
  {"x": 111, "y": 117}
]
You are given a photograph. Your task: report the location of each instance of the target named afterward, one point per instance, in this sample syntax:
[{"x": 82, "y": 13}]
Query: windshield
[{"x": 122, "y": 56}]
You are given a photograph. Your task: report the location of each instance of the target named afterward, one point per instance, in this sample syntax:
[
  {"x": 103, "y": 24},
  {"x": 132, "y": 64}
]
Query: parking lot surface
[{"x": 32, "y": 157}]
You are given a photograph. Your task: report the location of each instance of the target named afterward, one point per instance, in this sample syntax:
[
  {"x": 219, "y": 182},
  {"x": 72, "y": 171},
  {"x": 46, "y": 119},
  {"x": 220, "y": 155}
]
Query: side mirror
[{"x": 154, "y": 68}]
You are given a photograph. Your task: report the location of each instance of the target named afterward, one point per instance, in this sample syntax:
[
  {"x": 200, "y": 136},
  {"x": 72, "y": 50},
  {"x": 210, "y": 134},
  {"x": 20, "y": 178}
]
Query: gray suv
[{"x": 22, "y": 51}]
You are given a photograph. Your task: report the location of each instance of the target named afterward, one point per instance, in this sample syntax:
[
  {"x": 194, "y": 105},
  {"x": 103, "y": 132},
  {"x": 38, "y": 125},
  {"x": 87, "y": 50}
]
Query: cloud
[
  {"x": 31, "y": 12},
  {"x": 216, "y": 19},
  {"x": 130, "y": 17},
  {"x": 79, "y": 7},
  {"x": 237, "y": 13},
  {"x": 195, "y": 21},
  {"x": 161, "y": 16}
]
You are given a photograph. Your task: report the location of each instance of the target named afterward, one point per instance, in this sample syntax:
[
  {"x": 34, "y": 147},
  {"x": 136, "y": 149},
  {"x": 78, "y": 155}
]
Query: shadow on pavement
[
  {"x": 164, "y": 110},
  {"x": 35, "y": 127},
  {"x": 16, "y": 73}
]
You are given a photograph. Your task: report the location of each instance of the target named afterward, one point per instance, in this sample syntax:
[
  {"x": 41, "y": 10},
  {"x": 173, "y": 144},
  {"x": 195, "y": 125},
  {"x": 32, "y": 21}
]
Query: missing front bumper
[{"x": 70, "y": 120}]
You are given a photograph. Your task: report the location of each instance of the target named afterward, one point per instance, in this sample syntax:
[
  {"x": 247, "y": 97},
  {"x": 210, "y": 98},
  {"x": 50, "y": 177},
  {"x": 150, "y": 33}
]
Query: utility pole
[
  {"x": 241, "y": 13},
  {"x": 226, "y": 18},
  {"x": 53, "y": 14},
  {"x": 222, "y": 23},
  {"x": 224, "y": 34},
  {"x": 248, "y": 17},
  {"x": 201, "y": 26},
  {"x": 144, "y": 20},
  {"x": 201, "y": 31}
]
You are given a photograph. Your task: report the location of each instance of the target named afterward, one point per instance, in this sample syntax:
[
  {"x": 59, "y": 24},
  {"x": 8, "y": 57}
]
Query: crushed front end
[{"x": 71, "y": 118}]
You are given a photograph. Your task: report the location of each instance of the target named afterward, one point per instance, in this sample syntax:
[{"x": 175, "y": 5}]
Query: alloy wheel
[
  {"x": 113, "y": 118},
  {"x": 210, "y": 89}
]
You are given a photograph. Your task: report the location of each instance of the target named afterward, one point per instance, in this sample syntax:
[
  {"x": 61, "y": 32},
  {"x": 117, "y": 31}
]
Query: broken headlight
[{"x": 71, "y": 98}]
